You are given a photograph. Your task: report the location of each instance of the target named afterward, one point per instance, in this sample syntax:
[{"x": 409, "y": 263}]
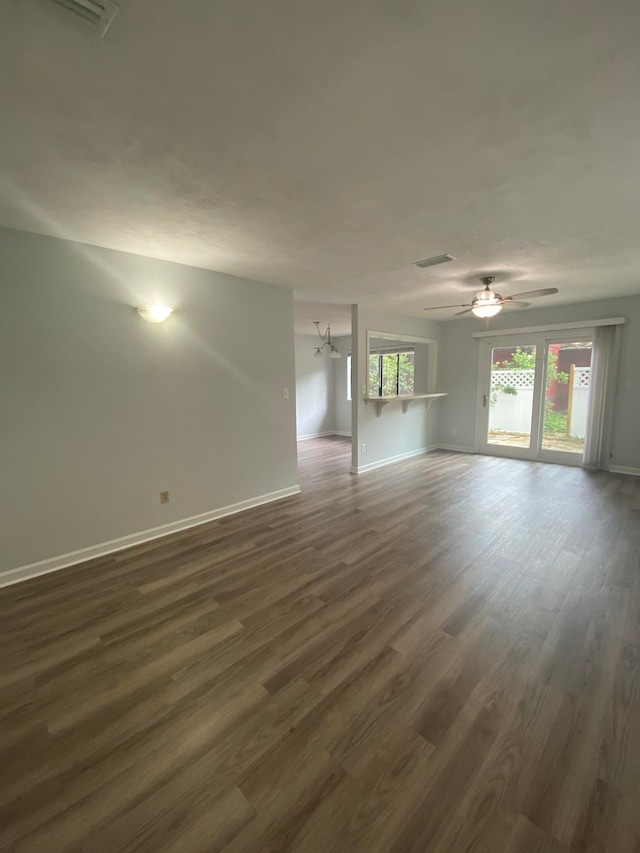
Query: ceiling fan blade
[
  {"x": 466, "y": 311},
  {"x": 438, "y": 307},
  {"x": 527, "y": 294},
  {"x": 508, "y": 302}
]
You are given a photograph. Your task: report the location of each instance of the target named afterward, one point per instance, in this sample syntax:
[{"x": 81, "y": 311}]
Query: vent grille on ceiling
[
  {"x": 100, "y": 13},
  {"x": 431, "y": 262}
]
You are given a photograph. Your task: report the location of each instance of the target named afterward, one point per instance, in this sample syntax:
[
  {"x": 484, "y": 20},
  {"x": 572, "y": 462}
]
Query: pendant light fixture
[{"x": 326, "y": 342}]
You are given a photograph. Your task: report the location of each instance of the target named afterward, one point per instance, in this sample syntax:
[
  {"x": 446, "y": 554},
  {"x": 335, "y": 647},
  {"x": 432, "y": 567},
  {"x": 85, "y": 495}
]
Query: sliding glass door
[
  {"x": 510, "y": 403},
  {"x": 534, "y": 397},
  {"x": 566, "y": 400}
]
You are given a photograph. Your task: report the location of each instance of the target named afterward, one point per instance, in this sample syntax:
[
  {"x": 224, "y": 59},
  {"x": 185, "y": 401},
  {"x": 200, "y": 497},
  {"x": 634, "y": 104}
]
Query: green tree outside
[{"x": 397, "y": 370}]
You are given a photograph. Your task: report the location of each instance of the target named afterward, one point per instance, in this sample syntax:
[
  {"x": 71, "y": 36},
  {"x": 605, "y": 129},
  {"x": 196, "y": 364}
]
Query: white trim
[
  {"x": 397, "y": 336},
  {"x": 457, "y": 448},
  {"x": 315, "y": 435},
  {"x": 323, "y": 434},
  {"x": 53, "y": 564},
  {"x": 360, "y": 469},
  {"x": 554, "y": 327},
  {"x": 623, "y": 469}
]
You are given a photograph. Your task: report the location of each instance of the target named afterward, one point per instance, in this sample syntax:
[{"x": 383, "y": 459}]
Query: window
[
  {"x": 348, "y": 377},
  {"x": 391, "y": 373}
]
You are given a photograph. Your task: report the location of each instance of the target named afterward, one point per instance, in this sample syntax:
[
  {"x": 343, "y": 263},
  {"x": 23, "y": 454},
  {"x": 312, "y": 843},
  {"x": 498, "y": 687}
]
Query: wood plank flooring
[{"x": 441, "y": 655}]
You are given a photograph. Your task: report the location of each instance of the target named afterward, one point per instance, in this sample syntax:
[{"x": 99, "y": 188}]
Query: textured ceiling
[
  {"x": 336, "y": 316},
  {"x": 327, "y": 145}
]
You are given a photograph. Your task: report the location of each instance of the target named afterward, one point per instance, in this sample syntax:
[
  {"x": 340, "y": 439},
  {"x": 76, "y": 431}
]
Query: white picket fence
[
  {"x": 512, "y": 412},
  {"x": 514, "y": 378},
  {"x": 580, "y": 399}
]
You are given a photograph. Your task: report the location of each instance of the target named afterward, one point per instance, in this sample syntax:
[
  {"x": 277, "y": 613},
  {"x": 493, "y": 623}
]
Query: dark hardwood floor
[{"x": 440, "y": 655}]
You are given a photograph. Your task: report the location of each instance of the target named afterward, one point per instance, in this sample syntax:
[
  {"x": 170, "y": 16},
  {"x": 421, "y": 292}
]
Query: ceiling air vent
[
  {"x": 432, "y": 262},
  {"x": 100, "y": 13}
]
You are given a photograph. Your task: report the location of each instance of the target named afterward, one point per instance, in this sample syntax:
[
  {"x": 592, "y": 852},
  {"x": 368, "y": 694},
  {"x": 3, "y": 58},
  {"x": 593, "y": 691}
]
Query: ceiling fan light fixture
[
  {"x": 154, "y": 313},
  {"x": 484, "y": 311},
  {"x": 487, "y": 303}
]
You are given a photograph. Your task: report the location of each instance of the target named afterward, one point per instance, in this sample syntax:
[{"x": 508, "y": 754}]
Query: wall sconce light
[
  {"x": 326, "y": 342},
  {"x": 154, "y": 313}
]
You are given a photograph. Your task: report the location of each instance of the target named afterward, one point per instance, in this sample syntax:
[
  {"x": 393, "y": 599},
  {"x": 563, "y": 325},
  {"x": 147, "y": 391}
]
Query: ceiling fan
[{"x": 487, "y": 303}]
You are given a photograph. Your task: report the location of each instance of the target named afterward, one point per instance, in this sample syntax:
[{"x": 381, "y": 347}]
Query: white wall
[
  {"x": 421, "y": 362},
  {"x": 315, "y": 407},
  {"x": 100, "y": 410},
  {"x": 342, "y": 406},
  {"x": 394, "y": 433},
  {"x": 321, "y": 389},
  {"x": 459, "y": 370}
]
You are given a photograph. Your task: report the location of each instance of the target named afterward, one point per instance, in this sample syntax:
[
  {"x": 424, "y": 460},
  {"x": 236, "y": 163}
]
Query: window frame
[
  {"x": 381, "y": 371},
  {"x": 401, "y": 341}
]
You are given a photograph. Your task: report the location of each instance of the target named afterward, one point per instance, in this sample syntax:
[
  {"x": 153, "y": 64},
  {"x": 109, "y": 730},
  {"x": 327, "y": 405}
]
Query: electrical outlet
[
  {"x": 164, "y": 497},
  {"x": 363, "y": 448},
  {"x": 453, "y": 430},
  {"x": 285, "y": 393}
]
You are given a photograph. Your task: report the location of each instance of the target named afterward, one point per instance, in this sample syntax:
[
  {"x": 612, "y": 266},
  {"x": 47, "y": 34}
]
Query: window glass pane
[
  {"x": 389, "y": 375},
  {"x": 392, "y": 373},
  {"x": 374, "y": 376},
  {"x": 406, "y": 376},
  {"x": 566, "y": 394},
  {"x": 511, "y": 396}
]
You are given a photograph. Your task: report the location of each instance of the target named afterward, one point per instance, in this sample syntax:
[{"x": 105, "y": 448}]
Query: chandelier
[{"x": 326, "y": 342}]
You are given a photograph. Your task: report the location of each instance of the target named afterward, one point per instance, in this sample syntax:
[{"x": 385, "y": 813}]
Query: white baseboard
[
  {"x": 323, "y": 434},
  {"x": 457, "y": 448},
  {"x": 315, "y": 435},
  {"x": 360, "y": 469},
  {"x": 622, "y": 469},
  {"x": 53, "y": 564}
]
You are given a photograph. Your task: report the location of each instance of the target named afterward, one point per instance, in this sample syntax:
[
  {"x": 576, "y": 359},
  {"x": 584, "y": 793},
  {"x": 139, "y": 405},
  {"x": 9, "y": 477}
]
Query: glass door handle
[{"x": 484, "y": 401}]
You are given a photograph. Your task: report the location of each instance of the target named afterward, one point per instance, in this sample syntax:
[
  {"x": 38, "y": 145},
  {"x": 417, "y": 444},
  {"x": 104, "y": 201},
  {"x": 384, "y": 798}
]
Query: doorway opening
[{"x": 323, "y": 375}]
